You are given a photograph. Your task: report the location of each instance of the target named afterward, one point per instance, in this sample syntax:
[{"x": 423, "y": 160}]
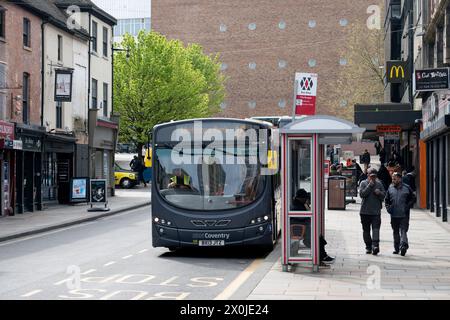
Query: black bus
[{"x": 204, "y": 195}]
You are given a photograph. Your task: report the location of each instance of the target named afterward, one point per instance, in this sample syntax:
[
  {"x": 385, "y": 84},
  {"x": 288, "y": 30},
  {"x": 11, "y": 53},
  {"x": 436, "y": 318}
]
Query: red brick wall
[
  {"x": 199, "y": 21},
  {"x": 19, "y": 60}
]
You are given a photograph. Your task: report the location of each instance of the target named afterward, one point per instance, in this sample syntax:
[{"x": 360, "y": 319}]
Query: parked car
[{"x": 124, "y": 178}]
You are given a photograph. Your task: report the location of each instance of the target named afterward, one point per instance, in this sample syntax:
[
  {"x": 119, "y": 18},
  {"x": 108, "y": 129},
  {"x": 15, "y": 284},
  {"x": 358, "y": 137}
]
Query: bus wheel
[{"x": 125, "y": 183}]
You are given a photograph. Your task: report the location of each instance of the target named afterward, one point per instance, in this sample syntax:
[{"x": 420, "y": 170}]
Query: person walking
[
  {"x": 410, "y": 179},
  {"x": 372, "y": 193},
  {"x": 399, "y": 200},
  {"x": 384, "y": 176},
  {"x": 134, "y": 163},
  {"x": 382, "y": 156},
  {"x": 365, "y": 159}
]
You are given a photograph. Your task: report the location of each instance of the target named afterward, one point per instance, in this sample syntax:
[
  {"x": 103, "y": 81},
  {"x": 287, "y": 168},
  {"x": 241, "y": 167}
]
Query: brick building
[{"x": 262, "y": 43}]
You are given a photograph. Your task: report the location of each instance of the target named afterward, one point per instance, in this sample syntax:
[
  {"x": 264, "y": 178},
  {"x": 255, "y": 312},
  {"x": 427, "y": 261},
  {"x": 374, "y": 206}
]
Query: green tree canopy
[{"x": 162, "y": 80}]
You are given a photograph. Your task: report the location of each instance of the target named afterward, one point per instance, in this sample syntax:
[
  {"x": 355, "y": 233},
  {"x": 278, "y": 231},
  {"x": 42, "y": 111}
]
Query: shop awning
[{"x": 373, "y": 115}]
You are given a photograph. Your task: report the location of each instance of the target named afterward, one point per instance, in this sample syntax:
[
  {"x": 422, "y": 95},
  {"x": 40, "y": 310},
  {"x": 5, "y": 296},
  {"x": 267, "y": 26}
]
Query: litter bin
[{"x": 336, "y": 193}]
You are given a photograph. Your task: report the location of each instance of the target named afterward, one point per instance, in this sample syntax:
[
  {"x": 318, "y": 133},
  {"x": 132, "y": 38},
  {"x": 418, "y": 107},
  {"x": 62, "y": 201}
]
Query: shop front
[
  {"x": 57, "y": 168},
  {"x": 28, "y": 149},
  {"x": 436, "y": 136},
  {"x": 102, "y": 145},
  {"x": 6, "y": 167}
]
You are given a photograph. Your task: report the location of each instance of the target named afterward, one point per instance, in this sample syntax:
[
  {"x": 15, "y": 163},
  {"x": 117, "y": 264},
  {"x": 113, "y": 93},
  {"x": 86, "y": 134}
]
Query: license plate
[{"x": 211, "y": 243}]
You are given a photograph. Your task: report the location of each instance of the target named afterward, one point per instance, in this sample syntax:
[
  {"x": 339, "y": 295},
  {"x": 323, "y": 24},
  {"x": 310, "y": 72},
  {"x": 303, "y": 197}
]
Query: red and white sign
[
  {"x": 6, "y": 130},
  {"x": 305, "y": 103}
]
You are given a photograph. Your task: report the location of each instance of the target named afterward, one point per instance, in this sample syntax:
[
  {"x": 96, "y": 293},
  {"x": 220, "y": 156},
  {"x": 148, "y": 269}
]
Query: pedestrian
[
  {"x": 140, "y": 169},
  {"x": 410, "y": 179},
  {"x": 399, "y": 200},
  {"x": 365, "y": 159},
  {"x": 378, "y": 147},
  {"x": 372, "y": 193},
  {"x": 382, "y": 156},
  {"x": 134, "y": 163},
  {"x": 359, "y": 170},
  {"x": 384, "y": 176}
]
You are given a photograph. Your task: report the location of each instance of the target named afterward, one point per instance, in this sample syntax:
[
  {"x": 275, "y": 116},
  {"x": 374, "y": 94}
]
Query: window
[
  {"x": 60, "y": 48},
  {"x": 94, "y": 36},
  {"x": 105, "y": 99},
  {"x": 105, "y": 42},
  {"x": 26, "y": 32},
  {"x": 25, "y": 97},
  {"x": 300, "y": 173},
  {"x": 94, "y": 93},
  {"x": 2, "y": 22},
  {"x": 59, "y": 116}
]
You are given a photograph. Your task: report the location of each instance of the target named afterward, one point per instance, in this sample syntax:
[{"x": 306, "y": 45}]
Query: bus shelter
[{"x": 303, "y": 153}]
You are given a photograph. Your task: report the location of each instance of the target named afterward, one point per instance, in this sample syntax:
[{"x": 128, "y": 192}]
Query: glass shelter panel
[
  {"x": 300, "y": 237},
  {"x": 300, "y": 175}
]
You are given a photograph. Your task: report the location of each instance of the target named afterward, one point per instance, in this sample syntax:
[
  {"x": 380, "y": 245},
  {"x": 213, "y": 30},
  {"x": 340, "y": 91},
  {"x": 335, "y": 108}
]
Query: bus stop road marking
[
  {"x": 127, "y": 257},
  {"x": 109, "y": 263},
  {"x": 239, "y": 281}
]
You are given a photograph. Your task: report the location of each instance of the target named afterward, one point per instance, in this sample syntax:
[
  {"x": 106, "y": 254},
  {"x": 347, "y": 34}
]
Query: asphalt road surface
[{"x": 113, "y": 259}]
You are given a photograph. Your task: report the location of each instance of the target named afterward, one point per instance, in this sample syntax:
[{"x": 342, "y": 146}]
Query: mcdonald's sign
[{"x": 397, "y": 71}]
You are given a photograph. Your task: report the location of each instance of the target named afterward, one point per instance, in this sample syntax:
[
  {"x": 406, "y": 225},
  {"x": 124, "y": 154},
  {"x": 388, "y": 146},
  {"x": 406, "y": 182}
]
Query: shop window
[
  {"x": 300, "y": 237},
  {"x": 300, "y": 173}
]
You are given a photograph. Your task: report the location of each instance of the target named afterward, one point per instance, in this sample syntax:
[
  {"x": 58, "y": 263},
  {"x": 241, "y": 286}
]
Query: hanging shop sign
[
  {"x": 63, "y": 85},
  {"x": 397, "y": 71},
  {"x": 389, "y": 129},
  {"x": 432, "y": 79}
]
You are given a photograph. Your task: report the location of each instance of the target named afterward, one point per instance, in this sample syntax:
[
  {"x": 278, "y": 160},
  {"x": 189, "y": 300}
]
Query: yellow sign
[
  {"x": 397, "y": 71},
  {"x": 272, "y": 158}
]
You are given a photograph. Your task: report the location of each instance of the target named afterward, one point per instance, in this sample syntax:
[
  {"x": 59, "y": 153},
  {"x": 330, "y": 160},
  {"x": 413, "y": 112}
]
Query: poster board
[{"x": 79, "y": 190}]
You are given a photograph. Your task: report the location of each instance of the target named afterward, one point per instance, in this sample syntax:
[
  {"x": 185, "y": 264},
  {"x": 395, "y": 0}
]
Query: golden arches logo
[{"x": 397, "y": 70}]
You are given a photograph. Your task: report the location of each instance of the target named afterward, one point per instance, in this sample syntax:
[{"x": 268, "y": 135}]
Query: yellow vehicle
[{"x": 127, "y": 179}]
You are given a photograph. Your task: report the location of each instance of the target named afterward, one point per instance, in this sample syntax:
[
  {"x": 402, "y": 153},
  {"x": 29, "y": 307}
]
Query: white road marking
[
  {"x": 31, "y": 293},
  {"x": 71, "y": 278},
  {"x": 142, "y": 251},
  {"x": 239, "y": 281},
  {"x": 109, "y": 263},
  {"x": 127, "y": 257}
]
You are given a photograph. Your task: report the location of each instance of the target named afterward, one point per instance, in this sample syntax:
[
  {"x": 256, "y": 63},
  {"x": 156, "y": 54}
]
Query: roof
[
  {"x": 322, "y": 124},
  {"x": 88, "y": 5},
  {"x": 48, "y": 10}
]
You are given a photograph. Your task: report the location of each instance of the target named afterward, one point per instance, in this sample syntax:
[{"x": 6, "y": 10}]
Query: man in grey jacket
[
  {"x": 399, "y": 200},
  {"x": 372, "y": 193}
]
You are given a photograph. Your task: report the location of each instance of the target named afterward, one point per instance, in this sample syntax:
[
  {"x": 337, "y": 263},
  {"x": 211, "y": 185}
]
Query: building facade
[
  {"x": 20, "y": 108},
  {"x": 262, "y": 44},
  {"x": 132, "y": 16}
]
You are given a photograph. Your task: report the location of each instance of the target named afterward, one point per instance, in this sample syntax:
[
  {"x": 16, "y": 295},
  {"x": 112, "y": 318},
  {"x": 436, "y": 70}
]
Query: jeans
[
  {"x": 400, "y": 228},
  {"x": 371, "y": 222}
]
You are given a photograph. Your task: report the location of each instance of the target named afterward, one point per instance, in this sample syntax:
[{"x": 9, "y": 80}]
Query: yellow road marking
[{"x": 239, "y": 281}]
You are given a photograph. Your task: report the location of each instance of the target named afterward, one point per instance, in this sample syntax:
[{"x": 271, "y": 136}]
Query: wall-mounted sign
[
  {"x": 432, "y": 79},
  {"x": 31, "y": 143},
  {"x": 79, "y": 190},
  {"x": 17, "y": 145},
  {"x": 6, "y": 130},
  {"x": 63, "y": 85},
  {"x": 306, "y": 93},
  {"x": 389, "y": 129},
  {"x": 98, "y": 191},
  {"x": 397, "y": 71}
]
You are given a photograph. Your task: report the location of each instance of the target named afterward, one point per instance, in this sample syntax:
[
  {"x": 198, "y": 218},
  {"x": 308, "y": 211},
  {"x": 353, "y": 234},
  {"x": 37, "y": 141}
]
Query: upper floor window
[
  {"x": 25, "y": 97},
  {"x": 26, "y": 32},
  {"x": 94, "y": 36},
  {"x": 2, "y": 22},
  {"x": 60, "y": 48},
  {"x": 105, "y": 99},
  {"x": 105, "y": 42},
  {"x": 94, "y": 93}
]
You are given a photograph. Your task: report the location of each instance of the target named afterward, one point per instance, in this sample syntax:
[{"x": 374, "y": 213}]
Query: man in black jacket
[
  {"x": 372, "y": 193},
  {"x": 399, "y": 200}
]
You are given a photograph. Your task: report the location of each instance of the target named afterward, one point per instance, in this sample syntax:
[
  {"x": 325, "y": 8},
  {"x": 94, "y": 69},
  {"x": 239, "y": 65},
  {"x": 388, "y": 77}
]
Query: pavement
[
  {"x": 424, "y": 273},
  {"x": 61, "y": 216}
]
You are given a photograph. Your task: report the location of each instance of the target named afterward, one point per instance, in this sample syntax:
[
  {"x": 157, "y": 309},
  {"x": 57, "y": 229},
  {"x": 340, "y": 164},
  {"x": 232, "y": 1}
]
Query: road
[{"x": 113, "y": 258}]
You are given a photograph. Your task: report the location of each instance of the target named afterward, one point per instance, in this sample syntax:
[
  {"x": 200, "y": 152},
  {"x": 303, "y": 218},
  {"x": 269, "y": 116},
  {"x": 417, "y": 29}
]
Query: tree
[
  {"x": 162, "y": 80},
  {"x": 362, "y": 79}
]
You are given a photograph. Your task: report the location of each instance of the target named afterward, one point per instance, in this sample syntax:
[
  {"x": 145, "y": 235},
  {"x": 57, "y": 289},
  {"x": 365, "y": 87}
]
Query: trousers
[{"x": 371, "y": 230}]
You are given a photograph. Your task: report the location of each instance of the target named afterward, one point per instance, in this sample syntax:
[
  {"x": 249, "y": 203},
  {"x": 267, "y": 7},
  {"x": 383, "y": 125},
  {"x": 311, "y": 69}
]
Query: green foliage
[{"x": 162, "y": 80}]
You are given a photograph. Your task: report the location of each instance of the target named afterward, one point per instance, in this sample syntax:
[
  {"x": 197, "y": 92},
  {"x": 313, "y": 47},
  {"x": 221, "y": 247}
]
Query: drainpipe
[
  {"x": 44, "y": 22},
  {"x": 89, "y": 96}
]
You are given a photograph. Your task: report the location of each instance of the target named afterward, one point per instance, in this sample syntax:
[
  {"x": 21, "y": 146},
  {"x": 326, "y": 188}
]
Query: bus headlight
[
  {"x": 259, "y": 220},
  {"x": 156, "y": 219}
]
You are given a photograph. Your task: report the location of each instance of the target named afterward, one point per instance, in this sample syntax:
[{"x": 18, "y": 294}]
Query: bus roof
[{"x": 244, "y": 121}]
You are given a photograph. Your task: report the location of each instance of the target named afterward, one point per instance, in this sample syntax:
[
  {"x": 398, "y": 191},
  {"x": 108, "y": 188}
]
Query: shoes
[
  {"x": 403, "y": 251},
  {"x": 328, "y": 260},
  {"x": 395, "y": 252},
  {"x": 375, "y": 251},
  {"x": 368, "y": 251}
]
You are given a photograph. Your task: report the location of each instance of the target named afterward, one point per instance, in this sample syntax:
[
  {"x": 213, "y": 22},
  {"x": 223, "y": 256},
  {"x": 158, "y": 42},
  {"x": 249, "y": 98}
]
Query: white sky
[{"x": 126, "y": 9}]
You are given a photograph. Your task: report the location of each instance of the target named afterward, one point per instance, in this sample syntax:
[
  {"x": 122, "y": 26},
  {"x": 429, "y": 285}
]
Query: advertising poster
[
  {"x": 79, "y": 190},
  {"x": 98, "y": 191}
]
